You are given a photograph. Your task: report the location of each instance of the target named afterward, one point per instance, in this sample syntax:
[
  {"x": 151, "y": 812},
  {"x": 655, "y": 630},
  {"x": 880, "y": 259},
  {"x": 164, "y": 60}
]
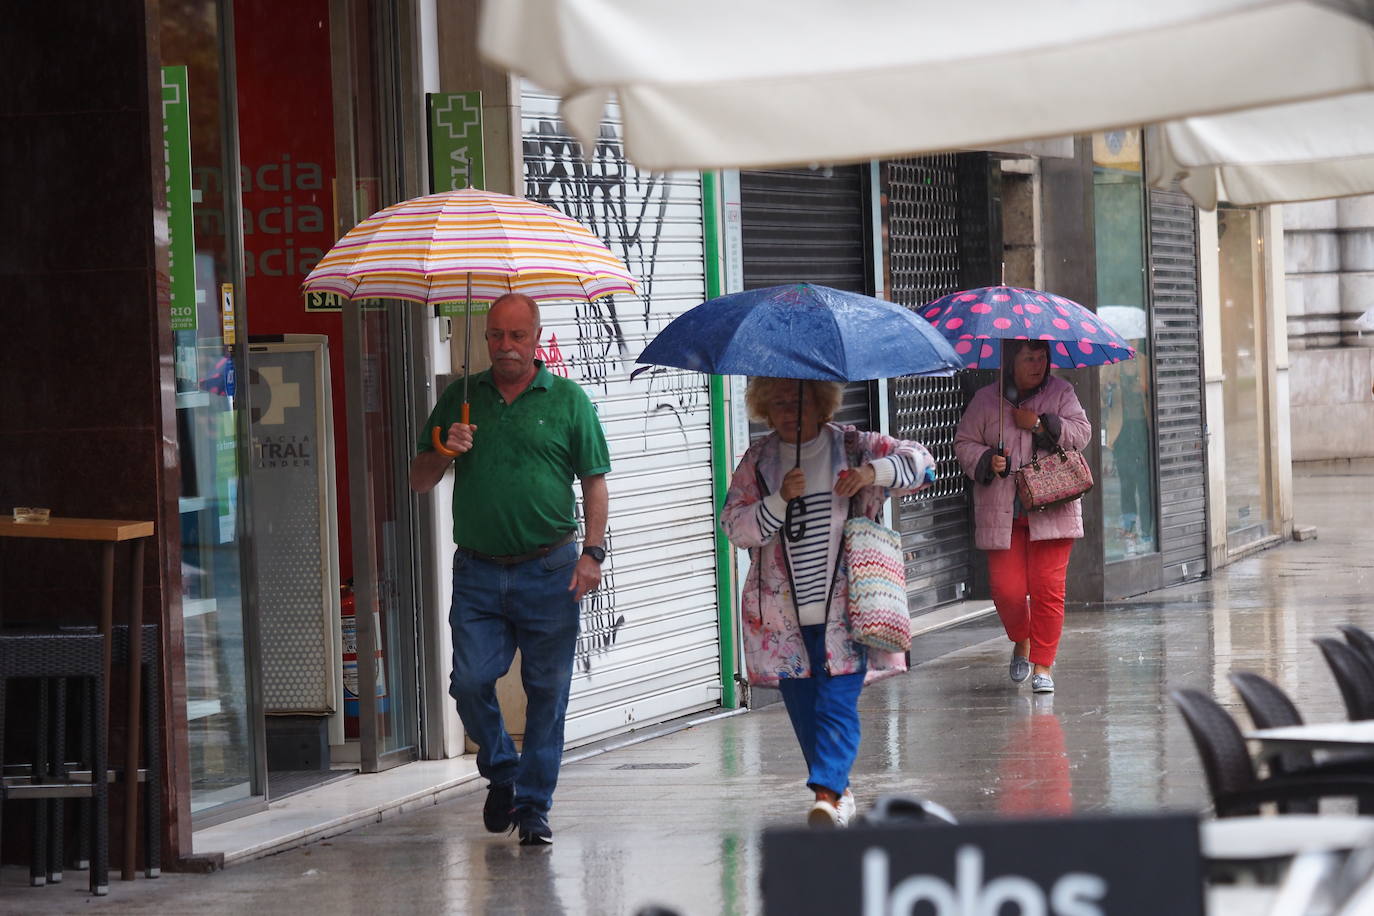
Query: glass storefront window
[
  {"x": 1249, "y": 505},
  {"x": 1127, "y": 392},
  {"x": 223, "y": 756}
]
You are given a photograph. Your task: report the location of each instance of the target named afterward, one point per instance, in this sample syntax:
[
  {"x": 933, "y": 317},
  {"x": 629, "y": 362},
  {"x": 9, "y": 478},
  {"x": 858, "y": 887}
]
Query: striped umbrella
[
  {"x": 469, "y": 246},
  {"x": 429, "y": 249}
]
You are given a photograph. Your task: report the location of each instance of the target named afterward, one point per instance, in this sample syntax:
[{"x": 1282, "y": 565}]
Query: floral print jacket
[{"x": 773, "y": 647}]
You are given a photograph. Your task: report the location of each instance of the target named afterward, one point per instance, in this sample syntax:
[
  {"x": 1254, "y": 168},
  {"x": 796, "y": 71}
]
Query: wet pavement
[{"x": 676, "y": 820}]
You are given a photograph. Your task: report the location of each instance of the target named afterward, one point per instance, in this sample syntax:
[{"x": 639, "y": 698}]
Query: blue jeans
[
  {"x": 825, "y": 715},
  {"x": 497, "y": 609}
]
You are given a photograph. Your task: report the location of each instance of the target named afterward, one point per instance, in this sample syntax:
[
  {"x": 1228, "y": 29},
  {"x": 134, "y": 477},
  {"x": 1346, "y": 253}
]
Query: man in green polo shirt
[{"x": 517, "y": 573}]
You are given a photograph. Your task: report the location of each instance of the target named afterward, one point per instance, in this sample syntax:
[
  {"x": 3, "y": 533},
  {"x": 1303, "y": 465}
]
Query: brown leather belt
[{"x": 517, "y": 558}]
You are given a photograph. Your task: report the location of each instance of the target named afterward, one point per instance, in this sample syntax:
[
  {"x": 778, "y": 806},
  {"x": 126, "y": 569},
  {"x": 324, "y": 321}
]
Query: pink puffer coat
[{"x": 993, "y": 503}]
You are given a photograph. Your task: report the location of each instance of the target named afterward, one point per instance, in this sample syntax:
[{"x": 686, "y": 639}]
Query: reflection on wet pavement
[{"x": 954, "y": 729}]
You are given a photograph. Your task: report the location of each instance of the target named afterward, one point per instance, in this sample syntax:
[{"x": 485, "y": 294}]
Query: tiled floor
[{"x": 676, "y": 820}]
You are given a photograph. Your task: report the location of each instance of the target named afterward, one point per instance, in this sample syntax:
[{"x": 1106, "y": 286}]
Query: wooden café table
[{"x": 109, "y": 532}]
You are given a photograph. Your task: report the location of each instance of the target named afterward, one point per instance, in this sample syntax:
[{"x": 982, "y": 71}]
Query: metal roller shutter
[
  {"x": 924, "y": 263},
  {"x": 649, "y": 648},
  {"x": 1178, "y": 384},
  {"x": 807, "y": 225}
]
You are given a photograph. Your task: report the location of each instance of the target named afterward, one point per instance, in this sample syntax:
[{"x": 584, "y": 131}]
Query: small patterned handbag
[
  {"x": 878, "y": 615},
  {"x": 1058, "y": 477}
]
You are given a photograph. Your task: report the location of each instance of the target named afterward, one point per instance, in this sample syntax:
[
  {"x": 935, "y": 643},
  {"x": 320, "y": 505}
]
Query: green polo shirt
[{"x": 512, "y": 490}]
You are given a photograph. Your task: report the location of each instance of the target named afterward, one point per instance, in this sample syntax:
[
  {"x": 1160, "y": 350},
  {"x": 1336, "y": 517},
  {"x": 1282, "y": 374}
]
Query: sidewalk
[{"x": 676, "y": 820}]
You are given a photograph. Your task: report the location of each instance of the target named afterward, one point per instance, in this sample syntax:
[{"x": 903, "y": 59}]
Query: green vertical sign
[
  {"x": 176, "y": 163},
  {"x": 456, "y": 159},
  {"x": 455, "y": 141}
]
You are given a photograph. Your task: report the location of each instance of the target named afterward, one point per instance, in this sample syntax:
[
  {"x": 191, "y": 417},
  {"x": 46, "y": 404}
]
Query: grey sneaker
[
  {"x": 1042, "y": 683},
  {"x": 533, "y": 828},
  {"x": 1020, "y": 667}
]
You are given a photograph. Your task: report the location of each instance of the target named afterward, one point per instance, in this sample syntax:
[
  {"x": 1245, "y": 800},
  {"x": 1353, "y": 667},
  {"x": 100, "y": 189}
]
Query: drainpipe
[{"x": 720, "y": 458}]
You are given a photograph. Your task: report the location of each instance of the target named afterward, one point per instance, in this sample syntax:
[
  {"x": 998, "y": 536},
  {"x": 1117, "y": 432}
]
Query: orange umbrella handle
[{"x": 437, "y": 439}]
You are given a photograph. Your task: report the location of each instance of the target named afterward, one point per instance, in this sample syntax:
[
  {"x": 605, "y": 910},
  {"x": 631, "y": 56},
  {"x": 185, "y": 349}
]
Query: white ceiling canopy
[
  {"x": 734, "y": 83},
  {"x": 1299, "y": 151}
]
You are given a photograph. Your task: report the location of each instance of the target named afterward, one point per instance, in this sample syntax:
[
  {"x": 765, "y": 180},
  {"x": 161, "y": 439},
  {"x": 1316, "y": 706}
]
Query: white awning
[
  {"x": 734, "y": 83},
  {"x": 1300, "y": 151}
]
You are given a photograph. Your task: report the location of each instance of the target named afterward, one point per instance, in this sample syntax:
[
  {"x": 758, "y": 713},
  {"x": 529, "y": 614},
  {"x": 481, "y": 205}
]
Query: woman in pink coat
[
  {"x": 794, "y": 604},
  {"x": 1028, "y": 551}
]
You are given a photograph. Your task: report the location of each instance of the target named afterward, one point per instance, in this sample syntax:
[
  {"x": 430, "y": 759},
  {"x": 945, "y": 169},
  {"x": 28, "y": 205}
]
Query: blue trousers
[
  {"x": 825, "y": 715},
  {"x": 497, "y": 609}
]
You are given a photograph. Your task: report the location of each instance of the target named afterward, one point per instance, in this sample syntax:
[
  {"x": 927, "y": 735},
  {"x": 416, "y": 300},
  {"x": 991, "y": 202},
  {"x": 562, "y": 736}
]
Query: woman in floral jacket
[{"x": 794, "y": 600}]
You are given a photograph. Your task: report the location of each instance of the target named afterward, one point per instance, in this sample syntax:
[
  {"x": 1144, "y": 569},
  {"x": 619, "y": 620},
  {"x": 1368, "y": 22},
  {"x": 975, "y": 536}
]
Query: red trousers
[{"x": 1028, "y": 588}]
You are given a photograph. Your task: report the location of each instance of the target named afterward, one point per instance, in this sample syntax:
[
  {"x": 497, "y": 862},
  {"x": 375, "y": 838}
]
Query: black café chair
[
  {"x": 1235, "y": 787},
  {"x": 49, "y": 858},
  {"x": 150, "y": 774},
  {"x": 1354, "y": 679},
  {"x": 1270, "y": 707},
  {"x": 53, "y": 657},
  {"x": 1361, "y": 641}
]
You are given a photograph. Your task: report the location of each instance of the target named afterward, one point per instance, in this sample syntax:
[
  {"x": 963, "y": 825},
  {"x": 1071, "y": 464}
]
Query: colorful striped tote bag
[{"x": 878, "y": 615}]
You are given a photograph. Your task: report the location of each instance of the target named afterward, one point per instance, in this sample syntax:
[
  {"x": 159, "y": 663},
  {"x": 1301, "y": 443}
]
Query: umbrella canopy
[
  {"x": 1299, "y": 151},
  {"x": 436, "y": 248},
  {"x": 468, "y": 246},
  {"x": 790, "y": 82},
  {"x": 802, "y": 331},
  {"x": 972, "y": 319}
]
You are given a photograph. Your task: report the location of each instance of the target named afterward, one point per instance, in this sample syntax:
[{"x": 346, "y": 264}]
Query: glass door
[
  {"x": 1127, "y": 388},
  {"x": 224, "y": 736},
  {"x": 380, "y": 434},
  {"x": 1249, "y": 502}
]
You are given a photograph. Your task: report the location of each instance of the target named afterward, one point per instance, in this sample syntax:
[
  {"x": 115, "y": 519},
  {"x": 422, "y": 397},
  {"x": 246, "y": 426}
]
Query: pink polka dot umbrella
[{"x": 974, "y": 319}]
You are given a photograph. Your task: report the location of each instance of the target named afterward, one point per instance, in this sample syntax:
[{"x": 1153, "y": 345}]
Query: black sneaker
[
  {"x": 498, "y": 811},
  {"x": 533, "y": 827}
]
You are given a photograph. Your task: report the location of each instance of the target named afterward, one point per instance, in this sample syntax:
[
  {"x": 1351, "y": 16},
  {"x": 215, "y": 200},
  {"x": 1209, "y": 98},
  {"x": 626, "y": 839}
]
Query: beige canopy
[
  {"x": 753, "y": 83},
  {"x": 1299, "y": 151}
]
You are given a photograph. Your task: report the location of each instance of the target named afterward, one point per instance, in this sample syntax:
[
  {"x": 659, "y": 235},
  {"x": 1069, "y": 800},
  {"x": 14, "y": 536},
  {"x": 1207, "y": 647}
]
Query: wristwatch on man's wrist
[{"x": 596, "y": 553}]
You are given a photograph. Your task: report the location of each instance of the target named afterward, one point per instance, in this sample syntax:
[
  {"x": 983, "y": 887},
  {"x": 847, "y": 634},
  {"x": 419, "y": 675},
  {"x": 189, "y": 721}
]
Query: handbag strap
[{"x": 852, "y": 460}]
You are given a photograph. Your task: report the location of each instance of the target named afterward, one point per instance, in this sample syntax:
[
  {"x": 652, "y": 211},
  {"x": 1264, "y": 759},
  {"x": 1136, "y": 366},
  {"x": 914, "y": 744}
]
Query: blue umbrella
[{"x": 802, "y": 331}]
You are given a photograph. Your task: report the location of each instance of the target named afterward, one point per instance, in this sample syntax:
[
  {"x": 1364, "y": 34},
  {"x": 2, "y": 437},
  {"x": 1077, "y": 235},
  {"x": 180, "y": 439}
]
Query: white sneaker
[
  {"x": 824, "y": 815},
  {"x": 846, "y": 808}
]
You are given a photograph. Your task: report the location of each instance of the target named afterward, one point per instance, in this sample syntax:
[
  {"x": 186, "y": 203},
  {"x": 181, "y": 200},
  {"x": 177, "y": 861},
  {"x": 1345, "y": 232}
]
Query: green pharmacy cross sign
[
  {"x": 455, "y": 141},
  {"x": 456, "y": 157},
  {"x": 176, "y": 162}
]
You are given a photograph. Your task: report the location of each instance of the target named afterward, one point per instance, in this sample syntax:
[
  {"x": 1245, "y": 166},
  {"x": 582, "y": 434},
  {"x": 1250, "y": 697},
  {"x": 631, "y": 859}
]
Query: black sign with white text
[{"x": 1083, "y": 866}]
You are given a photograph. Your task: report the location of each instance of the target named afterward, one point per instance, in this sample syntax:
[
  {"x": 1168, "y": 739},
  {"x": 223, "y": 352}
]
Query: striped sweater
[{"x": 812, "y": 557}]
